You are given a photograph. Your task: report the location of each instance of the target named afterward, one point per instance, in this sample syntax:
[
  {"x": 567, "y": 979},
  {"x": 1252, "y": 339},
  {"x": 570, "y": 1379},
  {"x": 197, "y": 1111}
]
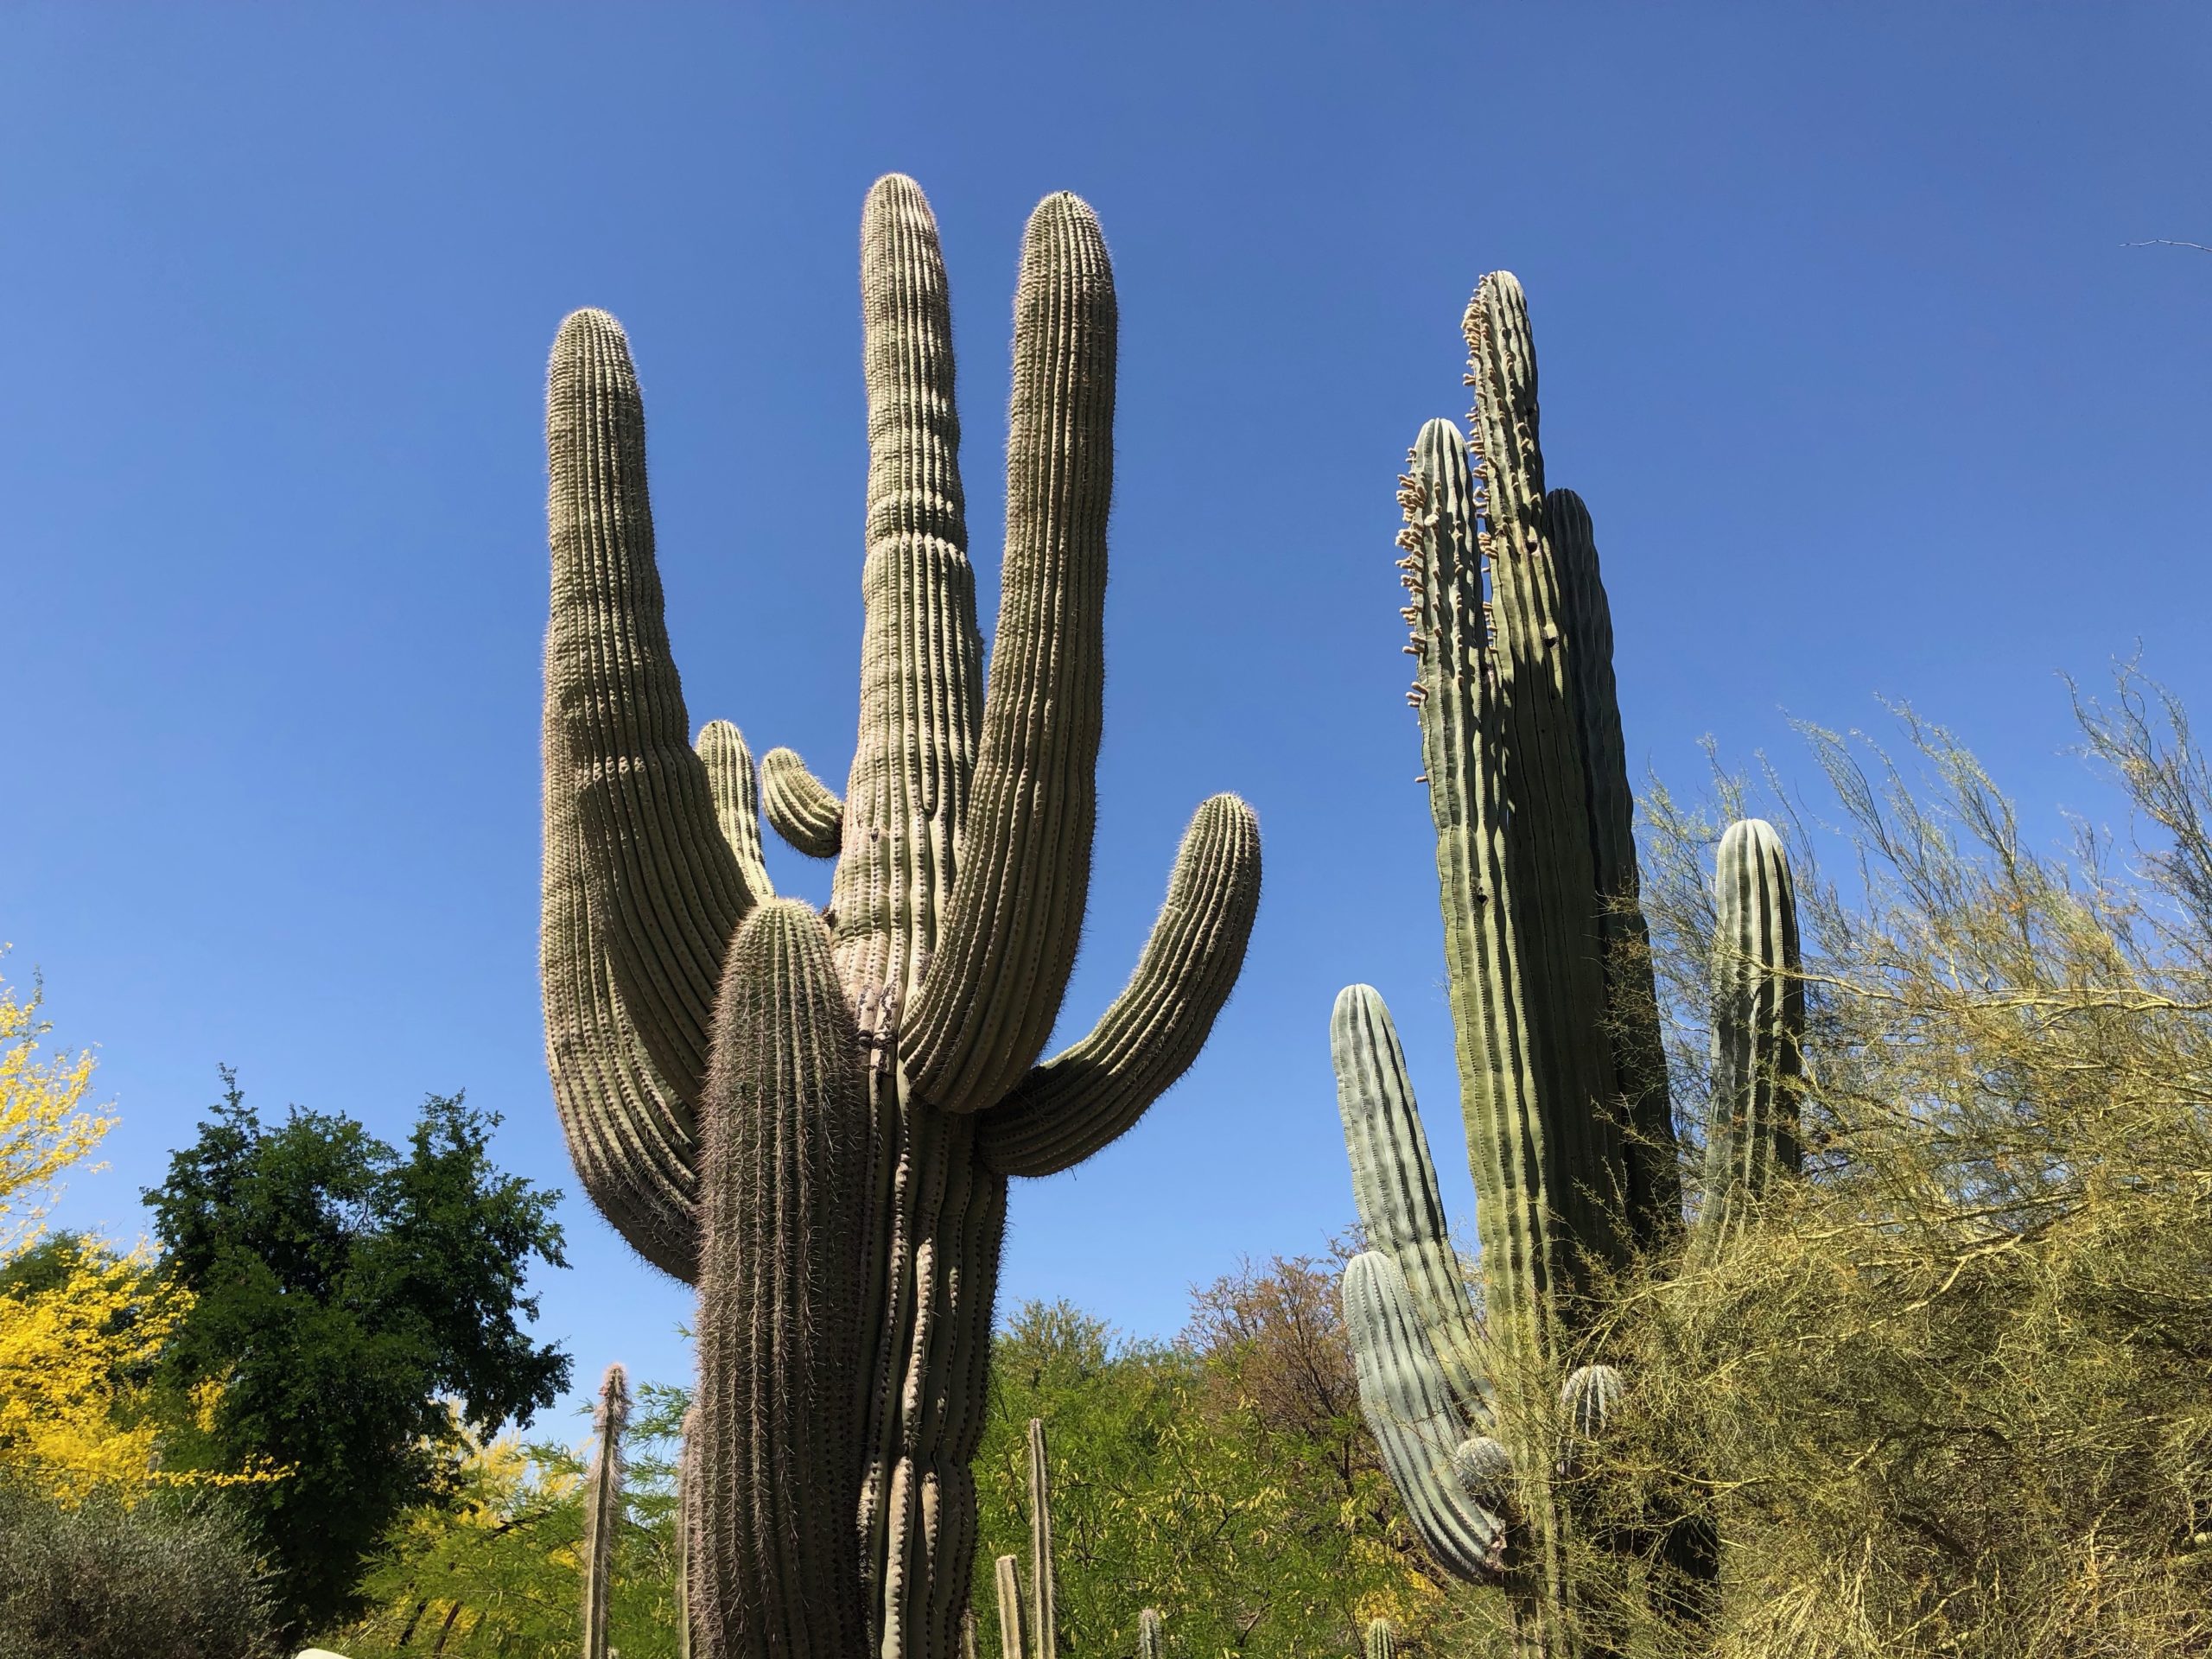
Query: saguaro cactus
[
  {"x": 1569, "y": 1129},
  {"x": 603, "y": 1504},
  {"x": 815, "y": 1123}
]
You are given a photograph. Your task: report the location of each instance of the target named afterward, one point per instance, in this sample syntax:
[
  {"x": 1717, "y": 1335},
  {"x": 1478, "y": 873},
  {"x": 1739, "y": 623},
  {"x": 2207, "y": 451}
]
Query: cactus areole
[
  {"x": 1562, "y": 1077},
  {"x": 812, "y": 1117}
]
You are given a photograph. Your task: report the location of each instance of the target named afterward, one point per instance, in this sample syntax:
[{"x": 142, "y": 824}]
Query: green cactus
[
  {"x": 1152, "y": 1640},
  {"x": 1563, "y": 1089},
  {"x": 1010, "y": 1588},
  {"x": 1382, "y": 1639},
  {"x": 1044, "y": 1614},
  {"x": 603, "y": 1504},
  {"x": 816, "y": 1125}
]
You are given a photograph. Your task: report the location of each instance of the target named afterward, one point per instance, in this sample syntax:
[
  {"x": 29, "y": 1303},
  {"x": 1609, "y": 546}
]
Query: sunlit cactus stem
[
  {"x": 1008, "y": 1580},
  {"x": 603, "y": 1506},
  {"x": 1152, "y": 1640},
  {"x": 1382, "y": 1641},
  {"x": 814, "y": 1118}
]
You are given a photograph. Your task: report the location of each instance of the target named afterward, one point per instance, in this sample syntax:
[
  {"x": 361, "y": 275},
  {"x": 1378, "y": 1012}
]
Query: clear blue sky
[{"x": 1838, "y": 340}]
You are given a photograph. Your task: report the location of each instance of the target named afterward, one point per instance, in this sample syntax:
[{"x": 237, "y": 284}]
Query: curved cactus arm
[
  {"x": 993, "y": 989},
  {"x": 1088, "y": 1095},
  {"x": 802, "y": 809},
  {"x": 1394, "y": 1184},
  {"x": 1408, "y": 1409},
  {"x": 776, "y": 1457},
  {"x": 629, "y": 1135},
  {"x": 1639, "y": 1056},
  {"x": 723, "y": 750},
  {"x": 1758, "y": 1026},
  {"x": 674, "y": 893}
]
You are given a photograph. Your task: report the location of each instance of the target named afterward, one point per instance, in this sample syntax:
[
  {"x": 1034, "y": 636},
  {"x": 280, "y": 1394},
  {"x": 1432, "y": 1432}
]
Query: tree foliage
[
  {"x": 44, "y": 1124},
  {"x": 342, "y": 1291},
  {"x": 1952, "y": 1395}
]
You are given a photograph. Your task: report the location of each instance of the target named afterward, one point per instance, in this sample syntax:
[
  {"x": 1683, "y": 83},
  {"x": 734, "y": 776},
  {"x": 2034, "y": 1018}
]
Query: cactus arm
[
  {"x": 921, "y": 650},
  {"x": 1408, "y": 1409},
  {"x": 1554, "y": 901},
  {"x": 1455, "y": 696},
  {"x": 1758, "y": 1026},
  {"x": 674, "y": 893},
  {"x": 1653, "y": 1172},
  {"x": 1094, "y": 1091},
  {"x": 989, "y": 1000},
  {"x": 1044, "y": 1615},
  {"x": 1010, "y": 1588},
  {"x": 629, "y": 1135},
  {"x": 603, "y": 1506},
  {"x": 1393, "y": 1181},
  {"x": 802, "y": 809},
  {"x": 723, "y": 750},
  {"x": 785, "y": 1176}
]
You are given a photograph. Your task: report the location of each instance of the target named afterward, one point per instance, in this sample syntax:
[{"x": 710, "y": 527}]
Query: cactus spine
[
  {"x": 1563, "y": 1089},
  {"x": 815, "y": 1123},
  {"x": 603, "y": 1504},
  {"x": 1043, "y": 1616}
]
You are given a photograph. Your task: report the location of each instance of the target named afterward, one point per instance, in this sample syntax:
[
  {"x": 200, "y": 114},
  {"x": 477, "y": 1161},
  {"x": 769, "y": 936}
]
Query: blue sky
[{"x": 1839, "y": 341}]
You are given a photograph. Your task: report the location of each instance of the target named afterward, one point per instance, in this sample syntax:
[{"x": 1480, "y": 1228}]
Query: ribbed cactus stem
[
  {"x": 1010, "y": 1588},
  {"x": 721, "y": 749},
  {"x": 1758, "y": 1026},
  {"x": 1044, "y": 1614},
  {"x": 1152, "y": 1642},
  {"x": 1382, "y": 1639},
  {"x": 776, "y": 1456},
  {"x": 603, "y": 1506},
  {"x": 686, "y": 1495}
]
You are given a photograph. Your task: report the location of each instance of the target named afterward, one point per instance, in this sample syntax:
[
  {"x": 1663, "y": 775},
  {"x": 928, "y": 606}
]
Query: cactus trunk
[{"x": 817, "y": 1125}]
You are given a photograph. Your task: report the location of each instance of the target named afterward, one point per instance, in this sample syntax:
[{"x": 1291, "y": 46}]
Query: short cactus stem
[
  {"x": 1011, "y": 1645},
  {"x": 1382, "y": 1639},
  {"x": 1152, "y": 1640},
  {"x": 1044, "y": 1615}
]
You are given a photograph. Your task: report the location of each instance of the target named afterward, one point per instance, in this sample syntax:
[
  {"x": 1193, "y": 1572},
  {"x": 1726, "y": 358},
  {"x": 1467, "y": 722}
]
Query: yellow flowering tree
[{"x": 44, "y": 1125}]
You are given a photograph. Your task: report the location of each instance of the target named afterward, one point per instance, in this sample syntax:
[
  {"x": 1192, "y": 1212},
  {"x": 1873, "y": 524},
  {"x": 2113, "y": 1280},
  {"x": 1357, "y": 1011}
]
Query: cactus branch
[
  {"x": 673, "y": 893},
  {"x": 1758, "y": 1026},
  {"x": 728, "y": 762},
  {"x": 1089, "y": 1094},
  {"x": 802, "y": 809},
  {"x": 993, "y": 989}
]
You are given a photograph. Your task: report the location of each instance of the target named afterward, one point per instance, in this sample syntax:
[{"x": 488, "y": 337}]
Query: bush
[{"x": 169, "y": 1579}]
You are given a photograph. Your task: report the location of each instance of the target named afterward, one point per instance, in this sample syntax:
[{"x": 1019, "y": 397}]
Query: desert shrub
[{"x": 166, "y": 1578}]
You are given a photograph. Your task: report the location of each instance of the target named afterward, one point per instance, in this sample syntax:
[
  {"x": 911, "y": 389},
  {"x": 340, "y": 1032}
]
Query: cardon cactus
[
  {"x": 603, "y": 1504},
  {"x": 1563, "y": 1088},
  {"x": 814, "y": 1117}
]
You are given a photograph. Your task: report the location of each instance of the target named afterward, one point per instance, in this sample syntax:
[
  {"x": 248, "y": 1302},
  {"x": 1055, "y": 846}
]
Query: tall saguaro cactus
[
  {"x": 813, "y": 1118},
  {"x": 1569, "y": 1129}
]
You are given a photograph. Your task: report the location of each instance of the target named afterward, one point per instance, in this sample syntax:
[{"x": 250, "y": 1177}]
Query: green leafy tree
[{"x": 344, "y": 1292}]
